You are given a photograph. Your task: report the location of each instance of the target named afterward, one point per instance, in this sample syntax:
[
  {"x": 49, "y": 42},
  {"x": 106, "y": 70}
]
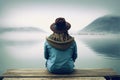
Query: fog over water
[
  {"x": 25, "y": 50},
  {"x": 42, "y": 13}
]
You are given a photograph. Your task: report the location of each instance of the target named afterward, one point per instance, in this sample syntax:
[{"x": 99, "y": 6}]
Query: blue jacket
[{"x": 58, "y": 60}]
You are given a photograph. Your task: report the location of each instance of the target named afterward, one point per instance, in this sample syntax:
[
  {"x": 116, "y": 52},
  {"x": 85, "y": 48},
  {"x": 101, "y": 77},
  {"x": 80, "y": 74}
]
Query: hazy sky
[{"x": 42, "y": 13}]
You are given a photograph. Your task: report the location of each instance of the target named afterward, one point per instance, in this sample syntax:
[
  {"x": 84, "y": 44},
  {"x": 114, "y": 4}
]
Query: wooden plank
[
  {"x": 43, "y": 73},
  {"x": 73, "y": 78}
]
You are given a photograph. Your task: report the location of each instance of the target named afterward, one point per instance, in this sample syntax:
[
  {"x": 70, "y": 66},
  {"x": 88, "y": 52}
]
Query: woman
[{"x": 60, "y": 48}]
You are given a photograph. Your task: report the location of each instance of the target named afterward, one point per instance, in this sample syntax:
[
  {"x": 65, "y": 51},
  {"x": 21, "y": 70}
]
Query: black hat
[{"x": 60, "y": 25}]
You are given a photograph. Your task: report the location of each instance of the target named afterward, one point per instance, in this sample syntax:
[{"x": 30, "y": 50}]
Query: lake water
[{"x": 25, "y": 50}]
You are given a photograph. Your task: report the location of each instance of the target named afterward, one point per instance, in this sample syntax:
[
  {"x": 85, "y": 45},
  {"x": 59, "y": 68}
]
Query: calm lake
[{"x": 25, "y": 50}]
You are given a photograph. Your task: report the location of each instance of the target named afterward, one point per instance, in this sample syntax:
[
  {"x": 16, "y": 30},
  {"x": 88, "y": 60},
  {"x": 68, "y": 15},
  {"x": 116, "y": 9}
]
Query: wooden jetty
[{"x": 43, "y": 74}]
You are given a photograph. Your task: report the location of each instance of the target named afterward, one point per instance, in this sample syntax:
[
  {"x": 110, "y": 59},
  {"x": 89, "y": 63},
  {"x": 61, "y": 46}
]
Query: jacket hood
[{"x": 60, "y": 45}]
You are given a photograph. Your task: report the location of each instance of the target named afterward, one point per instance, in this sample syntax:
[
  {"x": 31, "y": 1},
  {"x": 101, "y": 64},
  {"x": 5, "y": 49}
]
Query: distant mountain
[
  {"x": 105, "y": 24},
  {"x": 19, "y": 29}
]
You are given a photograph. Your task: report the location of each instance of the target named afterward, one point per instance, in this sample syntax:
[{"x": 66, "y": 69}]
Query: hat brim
[{"x": 52, "y": 27}]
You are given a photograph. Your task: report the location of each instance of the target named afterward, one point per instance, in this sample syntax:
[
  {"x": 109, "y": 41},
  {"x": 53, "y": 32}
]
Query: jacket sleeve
[
  {"x": 46, "y": 54},
  {"x": 74, "y": 56}
]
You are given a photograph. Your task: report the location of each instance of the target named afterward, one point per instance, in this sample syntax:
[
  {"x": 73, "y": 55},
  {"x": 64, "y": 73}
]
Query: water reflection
[
  {"x": 25, "y": 42},
  {"x": 25, "y": 50},
  {"x": 21, "y": 50},
  {"x": 108, "y": 46},
  {"x": 4, "y": 57}
]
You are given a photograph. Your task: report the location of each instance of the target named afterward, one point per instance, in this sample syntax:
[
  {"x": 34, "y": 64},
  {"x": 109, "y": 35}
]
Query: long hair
[{"x": 60, "y": 36}]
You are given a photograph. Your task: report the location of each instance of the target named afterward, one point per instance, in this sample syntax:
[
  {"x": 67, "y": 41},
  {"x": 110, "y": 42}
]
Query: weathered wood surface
[
  {"x": 43, "y": 74},
  {"x": 73, "y": 78}
]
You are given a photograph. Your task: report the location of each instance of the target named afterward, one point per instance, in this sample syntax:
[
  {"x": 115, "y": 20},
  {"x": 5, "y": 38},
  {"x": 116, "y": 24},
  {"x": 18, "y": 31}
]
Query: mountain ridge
[
  {"x": 10, "y": 29},
  {"x": 104, "y": 24}
]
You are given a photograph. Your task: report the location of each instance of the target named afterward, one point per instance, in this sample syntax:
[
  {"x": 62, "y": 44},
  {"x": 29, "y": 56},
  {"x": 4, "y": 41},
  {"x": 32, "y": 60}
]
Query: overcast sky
[{"x": 42, "y": 13}]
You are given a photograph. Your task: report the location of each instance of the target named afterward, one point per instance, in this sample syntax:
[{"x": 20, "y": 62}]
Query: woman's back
[
  {"x": 60, "y": 59},
  {"x": 60, "y": 52}
]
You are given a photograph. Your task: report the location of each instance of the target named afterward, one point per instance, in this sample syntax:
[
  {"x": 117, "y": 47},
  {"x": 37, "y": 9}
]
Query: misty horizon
[{"x": 41, "y": 14}]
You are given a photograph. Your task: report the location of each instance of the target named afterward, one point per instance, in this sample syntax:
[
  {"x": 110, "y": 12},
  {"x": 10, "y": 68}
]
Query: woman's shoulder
[{"x": 73, "y": 44}]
